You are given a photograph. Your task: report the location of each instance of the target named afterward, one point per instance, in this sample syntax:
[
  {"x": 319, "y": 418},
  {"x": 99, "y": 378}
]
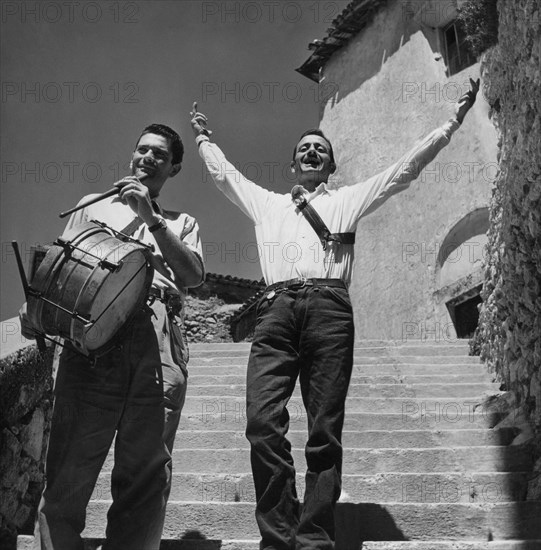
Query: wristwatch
[{"x": 162, "y": 224}]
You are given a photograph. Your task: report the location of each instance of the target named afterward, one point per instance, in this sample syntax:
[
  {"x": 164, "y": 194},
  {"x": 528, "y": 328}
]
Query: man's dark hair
[
  {"x": 175, "y": 143},
  {"x": 316, "y": 132}
]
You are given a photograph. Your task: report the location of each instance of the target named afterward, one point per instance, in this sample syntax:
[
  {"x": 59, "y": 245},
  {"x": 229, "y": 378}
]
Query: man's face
[
  {"x": 152, "y": 160},
  {"x": 313, "y": 159}
]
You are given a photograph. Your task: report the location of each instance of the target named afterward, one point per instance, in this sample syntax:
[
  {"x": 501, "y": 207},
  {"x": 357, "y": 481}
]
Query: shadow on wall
[{"x": 470, "y": 229}]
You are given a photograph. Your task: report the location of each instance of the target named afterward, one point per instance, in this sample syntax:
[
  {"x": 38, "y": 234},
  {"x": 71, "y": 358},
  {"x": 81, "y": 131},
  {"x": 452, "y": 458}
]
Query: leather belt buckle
[
  {"x": 153, "y": 295},
  {"x": 164, "y": 296},
  {"x": 299, "y": 283},
  {"x": 173, "y": 300}
]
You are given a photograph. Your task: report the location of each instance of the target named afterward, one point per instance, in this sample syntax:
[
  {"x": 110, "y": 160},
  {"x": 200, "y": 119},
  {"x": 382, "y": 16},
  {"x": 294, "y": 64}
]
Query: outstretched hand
[
  {"x": 199, "y": 122},
  {"x": 465, "y": 103}
]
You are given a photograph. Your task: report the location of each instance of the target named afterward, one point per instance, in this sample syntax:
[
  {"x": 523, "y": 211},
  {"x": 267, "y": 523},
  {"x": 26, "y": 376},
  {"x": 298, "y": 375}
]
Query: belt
[
  {"x": 168, "y": 297},
  {"x": 303, "y": 281}
]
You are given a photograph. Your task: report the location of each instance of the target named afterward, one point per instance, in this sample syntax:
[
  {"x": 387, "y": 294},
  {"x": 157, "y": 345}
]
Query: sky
[{"x": 80, "y": 79}]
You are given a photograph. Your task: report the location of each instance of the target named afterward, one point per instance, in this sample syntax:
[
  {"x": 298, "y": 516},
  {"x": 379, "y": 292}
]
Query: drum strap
[{"x": 130, "y": 229}]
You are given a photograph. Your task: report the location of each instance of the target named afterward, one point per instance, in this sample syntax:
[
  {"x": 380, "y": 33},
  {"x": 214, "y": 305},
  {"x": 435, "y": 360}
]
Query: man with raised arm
[
  {"x": 304, "y": 320},
  {"x": 134, "y": 393}
]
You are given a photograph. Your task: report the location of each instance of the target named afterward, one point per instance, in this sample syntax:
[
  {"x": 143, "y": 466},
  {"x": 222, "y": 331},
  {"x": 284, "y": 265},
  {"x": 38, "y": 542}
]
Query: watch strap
[{"x": 162, "y": 224}]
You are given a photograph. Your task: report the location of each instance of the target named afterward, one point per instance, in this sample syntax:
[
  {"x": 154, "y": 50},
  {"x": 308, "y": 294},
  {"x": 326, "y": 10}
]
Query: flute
[{"x": 100, "y": 197}]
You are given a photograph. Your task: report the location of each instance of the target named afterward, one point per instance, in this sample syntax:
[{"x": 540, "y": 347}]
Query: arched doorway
[{"x": 459, "y": 271}]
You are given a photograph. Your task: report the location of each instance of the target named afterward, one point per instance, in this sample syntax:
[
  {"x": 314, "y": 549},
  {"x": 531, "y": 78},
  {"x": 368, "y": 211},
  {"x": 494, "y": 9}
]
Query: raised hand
[
  {"x": 465, "y": 103},
  {"x": 199, "y": 122}
]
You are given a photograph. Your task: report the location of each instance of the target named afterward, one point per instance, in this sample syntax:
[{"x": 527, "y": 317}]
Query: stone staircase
[{"x": 424, "y": 467}]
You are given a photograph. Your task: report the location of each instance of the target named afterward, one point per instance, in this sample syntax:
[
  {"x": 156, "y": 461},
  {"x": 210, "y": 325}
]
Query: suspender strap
[{"x": 318, "y": 225}]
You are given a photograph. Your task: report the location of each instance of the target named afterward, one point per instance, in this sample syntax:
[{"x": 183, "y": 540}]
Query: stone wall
[
  {"x": 509, "y": 335},
  {"x": 208, "y": 320},
  {"x": 212, "y": 309},
  {"x": 391, "y": 89},
  {"x": 25, "y": 415}
]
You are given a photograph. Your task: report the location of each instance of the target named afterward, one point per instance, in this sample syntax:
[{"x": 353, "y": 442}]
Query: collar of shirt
[{"x": 321, "y": 189}]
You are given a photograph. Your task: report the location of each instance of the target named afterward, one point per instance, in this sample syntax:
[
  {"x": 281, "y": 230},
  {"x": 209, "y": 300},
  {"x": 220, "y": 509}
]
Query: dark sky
[{"x": 81, "y": 79}]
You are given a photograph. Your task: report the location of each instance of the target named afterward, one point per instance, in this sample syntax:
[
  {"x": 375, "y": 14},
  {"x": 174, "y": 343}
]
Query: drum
[{"x": 88, "y": 286}]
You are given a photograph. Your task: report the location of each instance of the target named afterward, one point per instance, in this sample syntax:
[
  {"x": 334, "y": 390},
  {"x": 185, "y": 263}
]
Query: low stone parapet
[{"x": 25, "y": 415}]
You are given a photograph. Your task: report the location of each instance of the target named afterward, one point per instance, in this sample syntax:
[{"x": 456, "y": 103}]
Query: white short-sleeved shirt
[{"x": 117, "y": 215}]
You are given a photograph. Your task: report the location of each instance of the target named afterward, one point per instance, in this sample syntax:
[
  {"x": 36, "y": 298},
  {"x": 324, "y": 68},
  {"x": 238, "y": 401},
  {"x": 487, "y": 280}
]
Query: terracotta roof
[
  {"x": 234, "y": 281},
  {"x": 242, "y": 322},
  {"x": 230, "y": 289},
  {"x": 248, "y": 304},
  {"x": 354, "y": 18}
]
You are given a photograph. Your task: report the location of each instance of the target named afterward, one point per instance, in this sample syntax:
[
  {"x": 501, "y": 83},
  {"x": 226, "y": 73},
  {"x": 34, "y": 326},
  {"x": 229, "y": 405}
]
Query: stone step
[
  {"x": 367, "y": 390},
  {"x": 374, "y": 347},
  {"x": 367, "y": 461},
  {"x": 448, "y": 390},
  {"x": 442, "y": 418},
  {"x": 441, "y": 362},
  {"x": 418, "y": 350},
  {"x": 228, "y": 360},
  {"x": 448, "y": 406},
  {"x": 376, "y": 355},
  {"x": 355, "y": 522},
  {"x": 25, "y": 542},
  {"x": 375, "y": 369},
  {"x": 216, "y": 440},
  {"x": 482, "y": 377},
  {"x": 454, "y": 545},
  {"x": 483, "y": 487}
]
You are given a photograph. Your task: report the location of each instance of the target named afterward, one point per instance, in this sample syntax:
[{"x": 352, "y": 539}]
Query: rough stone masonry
[{"x": 510, "y": 322}]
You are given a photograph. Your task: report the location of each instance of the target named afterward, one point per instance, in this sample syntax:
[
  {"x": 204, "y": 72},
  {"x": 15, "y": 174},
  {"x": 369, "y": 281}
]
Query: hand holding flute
[{"x": 114, "y": 191}]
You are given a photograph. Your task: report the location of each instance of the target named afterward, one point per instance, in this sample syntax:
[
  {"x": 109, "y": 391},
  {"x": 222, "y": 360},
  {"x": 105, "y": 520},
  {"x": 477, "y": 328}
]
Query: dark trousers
[
  {"x": 132, "y": 395},
  {"x": 306, "y": 333}
]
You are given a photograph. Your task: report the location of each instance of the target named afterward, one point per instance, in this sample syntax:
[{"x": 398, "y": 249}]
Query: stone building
[{"x": 390, "y": 72}]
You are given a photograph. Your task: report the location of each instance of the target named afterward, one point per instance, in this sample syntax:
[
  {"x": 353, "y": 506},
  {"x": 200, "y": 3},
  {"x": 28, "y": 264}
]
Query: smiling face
[
  {"x": 313, "y": 162},
  {"x": 152, "y": 161}
]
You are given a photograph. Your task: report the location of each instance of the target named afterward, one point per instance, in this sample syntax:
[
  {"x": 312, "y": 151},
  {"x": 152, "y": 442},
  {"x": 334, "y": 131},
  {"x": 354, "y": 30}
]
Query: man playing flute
[{"x": 135, "y": 392}]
